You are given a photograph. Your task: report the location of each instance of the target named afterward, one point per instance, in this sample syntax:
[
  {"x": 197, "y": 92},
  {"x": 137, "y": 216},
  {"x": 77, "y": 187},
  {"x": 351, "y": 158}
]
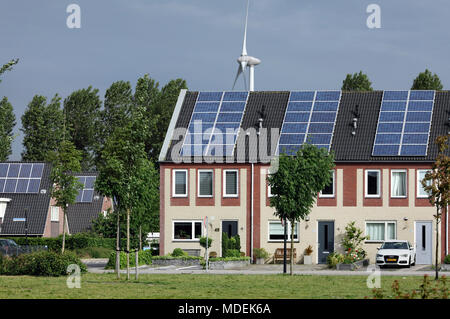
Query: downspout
[{"x": 251, "y": 213}]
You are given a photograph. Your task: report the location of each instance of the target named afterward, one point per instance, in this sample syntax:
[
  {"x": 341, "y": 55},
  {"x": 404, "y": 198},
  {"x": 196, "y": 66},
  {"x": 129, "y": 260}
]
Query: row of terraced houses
[{"x": 217, "y": 152}]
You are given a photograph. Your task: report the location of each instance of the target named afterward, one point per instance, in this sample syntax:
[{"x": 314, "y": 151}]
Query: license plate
[{"x": 391, "y": 259}]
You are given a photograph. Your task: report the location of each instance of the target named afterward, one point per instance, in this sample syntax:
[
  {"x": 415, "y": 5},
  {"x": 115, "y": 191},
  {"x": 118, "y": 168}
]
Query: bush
[
  {"x": 260, "y": 253},
  {"x": 229, "y": 259},
  {"x": 203, "y": 242},
  {"x": 43, "y": 263},
  {"x": 334, "y": 258},
  {"x": 168, "y": 257},
  {"x": 230, "y": 243},
  {"x": 178, "y": 252},
  {"x": 93, "y": 252},
  {"x": 144, "y": 258},
  {"x": 447, "y": 259},
  {"x": 232, "y": 253}
]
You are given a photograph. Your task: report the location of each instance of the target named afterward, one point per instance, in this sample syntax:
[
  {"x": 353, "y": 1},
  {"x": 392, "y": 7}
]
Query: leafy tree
[
  {"x": 297, "y": 182},
  {"x": 122, "y": 169},
  {"x": 437, "y": 184},
  {"x": 357, "y": 82},
  {"x": 43, "y": 128},
  {"x": 7, "y": 123},
  {"x": 427, "y": 81},
  {"x": 8, "y": 66},
  {"x": 65, "y": 162},
  {"x": 82, "y": 110}
]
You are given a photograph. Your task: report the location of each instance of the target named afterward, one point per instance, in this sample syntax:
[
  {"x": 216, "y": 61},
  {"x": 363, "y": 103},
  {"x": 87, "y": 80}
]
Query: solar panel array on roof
[
  {"x": 310, "y": 117},
  {"x": 20, "y": 177},
  {"x": 214, "y": 124},
  {"x": 86, "y": 194},
  {"x": 404, "y": 123}
]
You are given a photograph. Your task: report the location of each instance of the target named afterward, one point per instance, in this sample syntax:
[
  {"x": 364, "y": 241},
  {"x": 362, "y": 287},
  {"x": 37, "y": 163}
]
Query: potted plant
[
  {"x": 260, "y": 255},
  {"x": 307, "y": 260}
]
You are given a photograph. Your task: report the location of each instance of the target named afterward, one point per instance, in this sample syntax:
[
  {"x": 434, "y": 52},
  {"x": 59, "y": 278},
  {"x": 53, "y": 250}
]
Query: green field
[{"x": 186, "y": 286}]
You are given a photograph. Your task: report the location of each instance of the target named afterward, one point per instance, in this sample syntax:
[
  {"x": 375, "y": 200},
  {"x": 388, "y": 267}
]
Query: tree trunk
[
  {"x": 140, "y": 238},
  {"x": 118, "y": 246},
  {"x": 437, "y": 244},
  {"x": 128, "y": 244},
  {"x": 64, "y": 231},
  {"x": 292, "y": 247}
]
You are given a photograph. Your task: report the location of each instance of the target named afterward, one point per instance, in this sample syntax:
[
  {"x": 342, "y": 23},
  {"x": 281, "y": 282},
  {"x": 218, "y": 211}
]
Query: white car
[{"x": 396, "y": 252}]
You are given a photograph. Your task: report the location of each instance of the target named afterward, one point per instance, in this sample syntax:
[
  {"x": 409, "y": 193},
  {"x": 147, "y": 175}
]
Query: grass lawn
[{"x": 186, "y": 286}]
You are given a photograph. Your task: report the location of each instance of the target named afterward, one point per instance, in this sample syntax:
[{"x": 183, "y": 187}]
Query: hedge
[
  {"x": 42, "y": 263},
  {"x": 144, "y": 258},
  {"x": 76, "y": 241}
]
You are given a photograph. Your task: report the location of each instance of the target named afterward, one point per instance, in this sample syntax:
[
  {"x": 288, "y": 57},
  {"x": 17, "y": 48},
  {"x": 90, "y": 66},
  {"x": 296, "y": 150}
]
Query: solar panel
[
  {"x": 20, "y": 177},
  {"x": 85, "y": 194},
  {"x": 214, "y": 124},
  {"x": 404, "y": 123},
  {"x": 310, "y": 118}
]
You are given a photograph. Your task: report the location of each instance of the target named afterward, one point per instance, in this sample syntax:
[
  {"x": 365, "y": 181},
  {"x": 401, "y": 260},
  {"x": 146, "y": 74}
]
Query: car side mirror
[
  {"x": 411, "y": 248},
  {"x": 378, "y": 248}
]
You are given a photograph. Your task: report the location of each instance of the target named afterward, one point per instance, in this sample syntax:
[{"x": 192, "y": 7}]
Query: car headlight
[
  {"x": 404, "y": 255},
  {"x": 380, "y": 256}
]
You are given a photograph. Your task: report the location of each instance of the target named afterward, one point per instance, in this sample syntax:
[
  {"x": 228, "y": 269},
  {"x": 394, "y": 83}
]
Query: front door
[
  {"x": 424, "y": 243},
  {"x": 230, "y": 227},
  {"x": 326, "y": 240}
]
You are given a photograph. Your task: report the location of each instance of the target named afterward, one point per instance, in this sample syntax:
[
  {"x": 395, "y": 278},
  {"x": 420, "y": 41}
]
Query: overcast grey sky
[{"x": 303, "y": 44}]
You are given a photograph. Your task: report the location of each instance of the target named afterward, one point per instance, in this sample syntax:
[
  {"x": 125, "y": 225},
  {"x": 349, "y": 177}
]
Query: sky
[{"x": 303, "y": 44}]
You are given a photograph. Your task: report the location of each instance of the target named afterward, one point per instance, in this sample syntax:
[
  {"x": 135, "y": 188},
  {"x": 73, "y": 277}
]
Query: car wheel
[{"x": 414, "y": 263}]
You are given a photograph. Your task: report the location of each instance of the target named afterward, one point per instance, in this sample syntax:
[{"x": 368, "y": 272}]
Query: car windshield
[{"x": 395, "y": 245}]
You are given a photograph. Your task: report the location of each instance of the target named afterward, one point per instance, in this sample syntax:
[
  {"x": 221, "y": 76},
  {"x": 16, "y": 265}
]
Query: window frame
[
  {"x": 224, "y": 185},
  {"x": 212, "y": 182},
  {"x": 406, "y": 182},
  {"x": 174, "y": 172},
  {"x": 54, "y": 208},
  {"x": 193, "y": 222},
  {"x": 419, "y": 183},
  {"x": 333, "y": 185},
  {"x": 386, "y": 222},
  {"x": 366, "y": 184},
  {"x": 288, "y": 232}
]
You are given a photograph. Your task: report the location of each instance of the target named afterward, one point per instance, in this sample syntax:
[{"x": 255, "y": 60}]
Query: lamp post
[{"x": 284, "y": 244}]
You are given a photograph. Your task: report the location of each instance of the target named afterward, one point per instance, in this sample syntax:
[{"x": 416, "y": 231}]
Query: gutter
[{"x": 251, "y": 212}]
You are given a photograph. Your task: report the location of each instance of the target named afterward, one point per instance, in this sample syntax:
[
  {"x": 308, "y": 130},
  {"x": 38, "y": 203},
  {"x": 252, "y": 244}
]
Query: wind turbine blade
[
  {"x": 245, "y": 80},
  {"x": 244, "y": 44},
  {"x": 239, "y": 71}
]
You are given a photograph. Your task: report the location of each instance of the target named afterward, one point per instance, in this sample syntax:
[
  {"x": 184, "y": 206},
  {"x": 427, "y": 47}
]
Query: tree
[
  {"x": 437, "y": 184},
  {"x": 43, "y": 128},
  {"x": 357, "y": 82},
  {"x": 427, "y": 81},
  {"x": 297, "y": 182},
  {"x": 8, "y": 66},
  {"x": 65, "y": 162},
  {"x": 122, "y": 169},
  {"x": 82, "y": 111},
  {"x": 7, "y": 123}
]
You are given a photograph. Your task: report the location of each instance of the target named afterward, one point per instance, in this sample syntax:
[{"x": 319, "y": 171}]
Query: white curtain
[
  {"x": 375, "y": 231},
  {"x": 391, "y": 231},
  {"x": 398, "y": 184}
]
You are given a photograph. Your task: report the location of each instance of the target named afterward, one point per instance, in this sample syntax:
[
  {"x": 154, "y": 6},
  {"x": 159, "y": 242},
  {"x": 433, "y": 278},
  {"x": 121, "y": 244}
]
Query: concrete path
[{"x": 97, "y": 266}]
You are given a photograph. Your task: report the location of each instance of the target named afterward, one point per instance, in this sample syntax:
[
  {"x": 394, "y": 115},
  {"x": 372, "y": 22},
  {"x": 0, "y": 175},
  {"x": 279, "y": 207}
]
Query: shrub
[
  {"x": 144, "y": 258},
  {"x": 260, "y": 253},
  {"x": 447, "y": 259},
  {"x": 308, "y": 251},
  {"x": 230, "y": 243},
  {"x": 232, "y": 253},
  {"x": 43, "y": 263},
  {"x": 334, "y": 258},
  {"x": 178, "y": 252},
  {"x": 203, "y": 242}
]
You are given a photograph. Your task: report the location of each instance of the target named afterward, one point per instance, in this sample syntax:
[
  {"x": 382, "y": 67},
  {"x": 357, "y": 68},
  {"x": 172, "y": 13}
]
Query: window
[
  {"x": 372, "y": 183},
  {"x": 398, "y": 183},
  {"x": 328, "y": 191},
  {"x": 230, "y": 183},
  {"x": 276, "y": 231},
  {"x": 205, "y": 183},
  {"x": 421, "y": 193},
  {"x": 381, "y": 231},
  {"x": 187, "y": 230},
  {"x": 179, "y": 183},
  {"x": 55, "y": 214}
]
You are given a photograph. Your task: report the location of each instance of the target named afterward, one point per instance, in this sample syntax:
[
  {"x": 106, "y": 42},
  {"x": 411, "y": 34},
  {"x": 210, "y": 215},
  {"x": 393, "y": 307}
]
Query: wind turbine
[{"x": 245, "y": 60}]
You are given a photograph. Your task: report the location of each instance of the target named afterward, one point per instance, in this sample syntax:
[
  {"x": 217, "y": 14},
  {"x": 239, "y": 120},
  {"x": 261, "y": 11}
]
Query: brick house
[
  {"x": 26, "y": 186},
  {"x": 383, "y": 143}
]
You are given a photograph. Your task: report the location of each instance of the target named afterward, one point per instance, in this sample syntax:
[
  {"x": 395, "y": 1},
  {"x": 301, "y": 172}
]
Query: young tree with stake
[{"x": 297, "y": 182}]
